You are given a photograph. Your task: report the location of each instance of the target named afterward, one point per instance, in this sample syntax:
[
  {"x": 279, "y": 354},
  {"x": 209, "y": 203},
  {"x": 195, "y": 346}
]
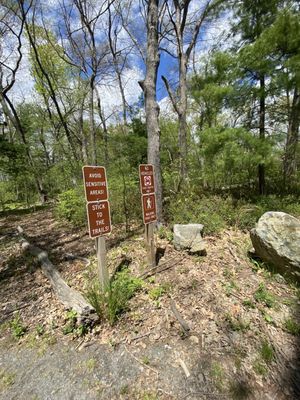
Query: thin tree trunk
[
  {"x": 151, "y": 106},
  {"x": 104, "y": 127},
  {"x": 262, "y": 134},
  {"x": 289, "y": 164},
  {"x": 84, "y": 145},
  {"x": 92, "y": 123},
  {"x": 182, "y": 131}
]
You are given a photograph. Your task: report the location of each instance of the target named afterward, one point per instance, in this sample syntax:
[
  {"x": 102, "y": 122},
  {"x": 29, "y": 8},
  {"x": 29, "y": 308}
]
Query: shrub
[
  {"x": 17, "y": 327},
  {"x": 71, "y": 207},
  {"x": 114, "y": 301},
  {"x": 121, "y": 290}
]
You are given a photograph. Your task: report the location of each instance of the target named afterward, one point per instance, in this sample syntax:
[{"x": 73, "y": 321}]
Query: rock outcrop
[
  {"x": 189, "y": 237},
  {"x": 276, "y": 240}
]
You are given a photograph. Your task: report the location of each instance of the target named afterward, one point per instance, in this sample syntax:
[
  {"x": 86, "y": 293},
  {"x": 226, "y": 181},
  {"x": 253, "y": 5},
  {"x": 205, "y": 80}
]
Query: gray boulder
[
  {"x": 189, "y": 237},
  {"x": 276, "y": 240}
]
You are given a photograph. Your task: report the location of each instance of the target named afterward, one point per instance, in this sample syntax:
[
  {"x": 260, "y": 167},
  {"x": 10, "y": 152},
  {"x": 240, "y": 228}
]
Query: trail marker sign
[
  {"x": 98, "y": 218},
  {"x": 98, "y": 213},
  {"x": 149, "y": 208},
  {"x": 95, "y": 184},
  {"x": 147, "y": 178}
]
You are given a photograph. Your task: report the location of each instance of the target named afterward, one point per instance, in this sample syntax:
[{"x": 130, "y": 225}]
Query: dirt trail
[{"x": 147, "y": 355}]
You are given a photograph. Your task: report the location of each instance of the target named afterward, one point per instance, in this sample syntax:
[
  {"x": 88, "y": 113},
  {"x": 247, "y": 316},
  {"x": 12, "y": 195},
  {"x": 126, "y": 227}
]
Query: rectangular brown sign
[
  {"x": 149, "y": 208},
  {"x": 99, "y": 218},
  {"x": 147, "y": 178},
  {"x": 95, "y": 183}
]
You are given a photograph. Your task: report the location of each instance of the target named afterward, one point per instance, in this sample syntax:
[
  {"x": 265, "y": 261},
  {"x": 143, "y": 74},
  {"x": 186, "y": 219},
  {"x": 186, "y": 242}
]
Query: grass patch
[
  {"x": 237, "y": 324},
  {"x": 6, "y": 379},
  {"x": 260, "y": 368},
  {"x": 263, "y": 296},
  {"x": 157, "y": 292},
  {"x": 18, "y": 329},
  {"x": 230, "y": 287},
  {"x": 267, "y": 352},
  {"x": 291, "y": 326},
  {"x": 218, "y": 375},
  {"x": 114, "y": 301},
  {"x": 248, "y": 303}
]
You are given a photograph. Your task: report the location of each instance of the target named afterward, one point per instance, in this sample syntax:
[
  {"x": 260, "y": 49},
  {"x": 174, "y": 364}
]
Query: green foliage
[
  {"x": 71, "y": 319},
  {"x": 6, "y": 379},
  {"x": 71, "y": 207},
  {"x": 120, "y": 292},
  {"x": 259, "y": 367},
  {"x": 156, "y": 292},
  {"x": 248, "y": 303},
  {"x": 165, "y": 233},
  {"x": 292, "y": 327},
  {"x": 114, "y": 301},
  {"x": 94, "y": 296},
  {"x": 17, "y": 326},
  {"x": 217, "y": 213},
  {"x": 262, "y": 295},
  {"x": 267, "y": 352}
]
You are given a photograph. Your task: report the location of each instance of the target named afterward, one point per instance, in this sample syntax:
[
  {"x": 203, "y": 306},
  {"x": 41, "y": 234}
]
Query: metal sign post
[
  {"x": 98, "y": 213},
  {"x": 149, "y": 209}
]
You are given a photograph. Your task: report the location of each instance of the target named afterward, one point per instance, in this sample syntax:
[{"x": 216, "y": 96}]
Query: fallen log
[{"x": 70, "y": 298}]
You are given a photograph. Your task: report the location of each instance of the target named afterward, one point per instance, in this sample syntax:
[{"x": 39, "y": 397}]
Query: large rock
[
  {"x": 276, "y": 240},
  {"x": 189, "y": 237}
]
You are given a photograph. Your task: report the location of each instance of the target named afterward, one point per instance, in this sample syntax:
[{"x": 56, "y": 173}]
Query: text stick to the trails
[{"x": 98, "y": 214}]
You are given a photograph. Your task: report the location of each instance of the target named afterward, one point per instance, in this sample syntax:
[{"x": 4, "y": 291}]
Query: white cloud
[{"x": 111, "y": 96}]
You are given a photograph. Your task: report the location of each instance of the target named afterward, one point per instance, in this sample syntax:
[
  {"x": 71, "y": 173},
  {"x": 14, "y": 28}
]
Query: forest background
[{"x": 220, "y": 123}]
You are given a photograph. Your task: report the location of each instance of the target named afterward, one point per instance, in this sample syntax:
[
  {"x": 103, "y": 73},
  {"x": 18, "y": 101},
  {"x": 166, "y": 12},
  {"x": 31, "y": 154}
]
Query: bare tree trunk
[
  {"x": 151, "y": 106},
  {"x": 289, "y": 163},
  {"x": 84, "y": 145},
  {"x": 104, "y": 127},
  {"x": 92, "y": 123},
  {"x": 262, "y": 134},
  {"x": 182, "y": 131}
]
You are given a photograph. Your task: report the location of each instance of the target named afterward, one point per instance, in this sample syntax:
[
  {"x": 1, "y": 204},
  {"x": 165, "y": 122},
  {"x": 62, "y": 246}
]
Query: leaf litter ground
[{"x": 237, "y": 345}]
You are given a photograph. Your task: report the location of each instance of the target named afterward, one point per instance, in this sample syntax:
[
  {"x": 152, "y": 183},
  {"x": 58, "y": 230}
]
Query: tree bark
[
  {"x": 151, "y": 106},
  {"x": 289, "y": 163},
  {"x": 104, "y": 127},
  {"x": 92, "y": 123},
  {"x": 262, "y": 134}
]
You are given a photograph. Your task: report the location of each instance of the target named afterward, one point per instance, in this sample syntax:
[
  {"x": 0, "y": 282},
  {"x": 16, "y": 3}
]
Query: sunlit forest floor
[{"x": 243, "y": 321}]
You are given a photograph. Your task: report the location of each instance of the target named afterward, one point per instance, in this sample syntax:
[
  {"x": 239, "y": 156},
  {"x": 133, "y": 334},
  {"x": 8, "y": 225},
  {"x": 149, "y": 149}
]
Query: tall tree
[
  {"x": 151, "y": 106},
  {"x": 253, "y": 18},
  {"x": 182, "y": 29}
]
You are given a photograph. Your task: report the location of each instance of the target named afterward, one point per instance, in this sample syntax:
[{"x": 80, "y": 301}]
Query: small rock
[
  {"x": 194, "y": 339},
  {"x": 189, "y": 237}
]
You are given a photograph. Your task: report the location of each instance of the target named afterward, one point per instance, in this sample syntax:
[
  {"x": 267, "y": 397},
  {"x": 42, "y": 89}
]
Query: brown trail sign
[
  {"x": 98, "y": 213},
  {"x": 149, "y": 208},
  {"x": 98, "y": 218},
  {"x": 95, "y": 183},
  {"x": 147, "y": 178},
  {"x": 147, "y": 187}
]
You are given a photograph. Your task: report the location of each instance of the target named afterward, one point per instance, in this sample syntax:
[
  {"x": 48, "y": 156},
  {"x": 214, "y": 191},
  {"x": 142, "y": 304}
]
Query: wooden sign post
[
  {"x": 149, "y": 209},
  {"x": 98, "y": 213}
]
